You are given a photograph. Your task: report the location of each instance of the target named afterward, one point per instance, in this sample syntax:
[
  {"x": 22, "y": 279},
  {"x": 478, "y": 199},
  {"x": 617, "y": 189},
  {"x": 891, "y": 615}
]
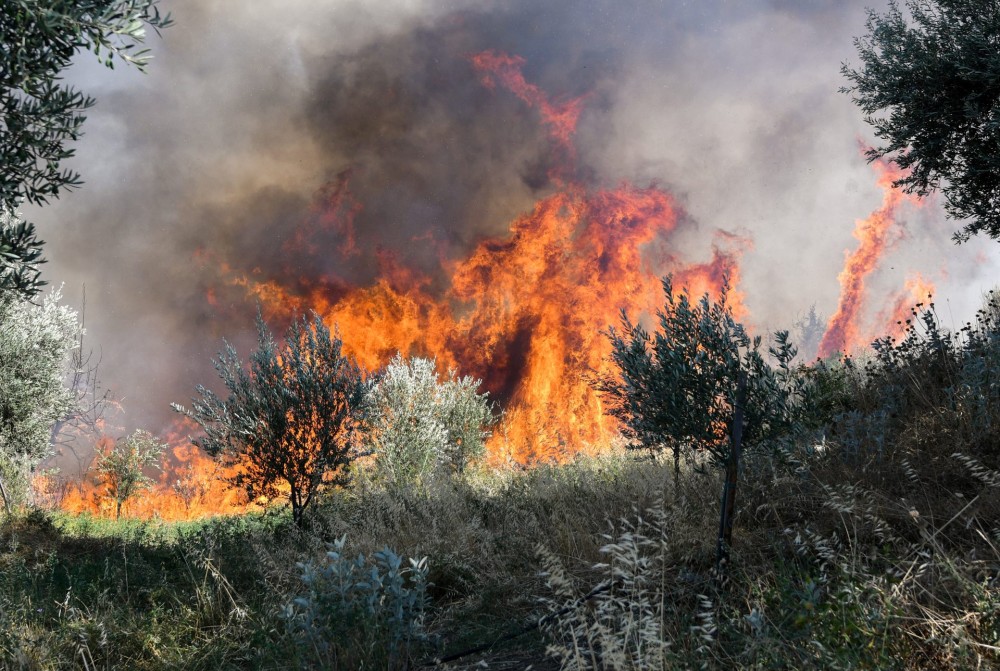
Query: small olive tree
[
  {"x": 291, "y": 418},
  {"x": 419, "y": 424},
  {"x": 121, "y": 467},
  {"x": 35, "y": 343},
  {"x": 701, "y": 383}
]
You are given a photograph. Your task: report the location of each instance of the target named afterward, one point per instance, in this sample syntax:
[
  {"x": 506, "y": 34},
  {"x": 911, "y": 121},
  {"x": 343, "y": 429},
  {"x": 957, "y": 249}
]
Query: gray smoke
[{"x": 254, "y": 112}]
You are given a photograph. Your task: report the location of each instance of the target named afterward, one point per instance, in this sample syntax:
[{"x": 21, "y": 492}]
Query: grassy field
[
  {"x": 874, "y": 544},
  {"x": 831, "y": 568}
]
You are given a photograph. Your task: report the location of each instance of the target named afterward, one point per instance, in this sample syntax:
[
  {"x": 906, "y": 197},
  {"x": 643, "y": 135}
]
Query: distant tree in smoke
[
  {"x": 809, "y": 330},
  {"x": 35, "y": 342},
  {"x": 419, "y": 424},
  {"x": 291, "y": 419},
  {"x": 39, "y": 114},
  {"x": 928, "y": 86},
  {"x": 121, "y": 467}
]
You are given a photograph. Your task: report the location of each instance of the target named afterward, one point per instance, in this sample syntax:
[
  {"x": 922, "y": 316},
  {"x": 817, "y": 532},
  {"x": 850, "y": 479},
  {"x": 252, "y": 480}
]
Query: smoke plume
[{"x": 320, "y": 147}]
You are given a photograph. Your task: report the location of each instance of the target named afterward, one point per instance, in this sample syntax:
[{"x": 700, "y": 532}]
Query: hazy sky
[{"x": 250, "y": 108}]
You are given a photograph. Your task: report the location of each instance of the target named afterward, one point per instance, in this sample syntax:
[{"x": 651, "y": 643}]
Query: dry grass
[{"x": 825, "y": 573}]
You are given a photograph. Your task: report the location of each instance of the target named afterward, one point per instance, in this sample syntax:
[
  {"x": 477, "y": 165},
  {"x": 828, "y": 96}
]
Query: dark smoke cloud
[{"x": 248, "y": 116}]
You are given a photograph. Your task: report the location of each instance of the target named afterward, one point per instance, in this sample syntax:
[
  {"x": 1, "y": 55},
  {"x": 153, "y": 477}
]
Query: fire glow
[
  {"x": 876, "y": 234},
  {"x": 525, "y": 312}
]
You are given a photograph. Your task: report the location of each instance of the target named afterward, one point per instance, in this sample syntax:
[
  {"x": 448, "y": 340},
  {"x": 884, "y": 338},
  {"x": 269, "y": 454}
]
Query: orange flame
[
  {"x": 189, "y": 485},
  {"x": 559, "y": 118},
  {"x": 525, "y": 312},
  {"x": 874, "y": 235},
  {"x": 917, "y": 290}
]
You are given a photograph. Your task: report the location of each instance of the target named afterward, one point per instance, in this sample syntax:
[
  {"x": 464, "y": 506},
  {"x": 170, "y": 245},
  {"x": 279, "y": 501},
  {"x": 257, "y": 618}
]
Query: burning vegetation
[
  {"x": 466, "y": 441},
  {"x": 526, "y": 313}
]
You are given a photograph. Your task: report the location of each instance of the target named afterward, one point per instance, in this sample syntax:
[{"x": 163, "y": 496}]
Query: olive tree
[
  {"x": 701, "y": 383},
  {"x": 928, "y": 84},
  {"x": 35, "y": 343},
  {"x": 290, "y": 422},
  {"x": 121, "y": 467},
  {"x": 419, "y": 423},
  {"x": 39, "y": 113}
]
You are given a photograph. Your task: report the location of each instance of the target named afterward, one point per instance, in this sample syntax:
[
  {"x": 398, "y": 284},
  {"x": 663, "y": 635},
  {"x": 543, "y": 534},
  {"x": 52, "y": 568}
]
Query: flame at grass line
[
  {"x": 876, "y": 234},
  {"x": 188, "y": 485},
  {"x": 526, "y": 311}
]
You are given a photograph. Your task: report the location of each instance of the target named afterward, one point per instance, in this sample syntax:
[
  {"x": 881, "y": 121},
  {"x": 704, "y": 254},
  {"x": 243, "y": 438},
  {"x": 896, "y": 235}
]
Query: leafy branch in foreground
[
  {"x": 928, "y": 86},
  {"x": 39, "y": 114}
]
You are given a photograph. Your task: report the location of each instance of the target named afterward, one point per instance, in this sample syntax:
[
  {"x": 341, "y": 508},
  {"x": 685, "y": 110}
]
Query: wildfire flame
[
  {"x": 525, "y": 312},
  {"x": 875, "y": 234},
  {"x": 917, "y": 289},
  {"x": 189, "y": 485},
  {"x": 560, "y": 119}
]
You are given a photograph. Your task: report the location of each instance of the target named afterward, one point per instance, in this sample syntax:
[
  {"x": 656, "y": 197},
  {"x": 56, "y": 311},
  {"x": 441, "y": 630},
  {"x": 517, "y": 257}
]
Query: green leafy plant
[
  {"x": 419, "y": 424},
  {"x": 291, "y": 419},
  {"x": 927, "y": 84},
  {"x": 700, "y": 383},
  {"x": 35, "y": 343},
  {"x": 373, "y": 607},
  {"x": 121, "y": 467},
  {"x": 39, "y": 114},
  {"x": 678, "y": 386}
]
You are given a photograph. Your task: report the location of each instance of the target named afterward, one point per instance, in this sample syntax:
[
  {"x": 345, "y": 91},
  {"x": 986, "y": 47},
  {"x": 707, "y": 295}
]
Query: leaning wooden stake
[{"x": 728, "y": 506}]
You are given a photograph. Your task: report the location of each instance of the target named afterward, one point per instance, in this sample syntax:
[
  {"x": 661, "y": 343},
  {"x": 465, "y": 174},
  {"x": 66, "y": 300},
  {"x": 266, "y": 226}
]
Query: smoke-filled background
[{"x": 221, "y": 167}]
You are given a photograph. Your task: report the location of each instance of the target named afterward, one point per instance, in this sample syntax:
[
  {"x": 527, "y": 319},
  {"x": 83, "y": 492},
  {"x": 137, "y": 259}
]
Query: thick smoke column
[{"x": 318, "y": 147}]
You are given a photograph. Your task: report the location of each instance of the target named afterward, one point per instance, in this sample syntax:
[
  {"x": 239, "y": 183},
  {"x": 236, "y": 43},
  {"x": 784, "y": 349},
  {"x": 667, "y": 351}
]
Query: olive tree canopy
[
  {"x": 929, "y": 84},
  {"x": 39, "y": 113}
]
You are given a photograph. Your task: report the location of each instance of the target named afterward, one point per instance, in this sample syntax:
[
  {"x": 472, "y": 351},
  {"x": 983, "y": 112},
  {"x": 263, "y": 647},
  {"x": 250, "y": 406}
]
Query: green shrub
[
  {"x": 360, "y": 611},
  {"x": 419, "y": 424},
  {"x": 121, "y": 468},
  {"x": 35, "y": 342},
  {"x": 916, "y": 399},
  {"x": 678, "y": 387},
  {"x": 292, "y": 416}
]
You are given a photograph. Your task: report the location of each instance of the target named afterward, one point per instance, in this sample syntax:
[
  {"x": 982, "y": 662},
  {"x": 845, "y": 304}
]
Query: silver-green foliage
[
  {"x": 627, "y": 621},
  {"x": 35, "y": 341},
  {"x": 369, "y": 606},
  {"x": 421, "y": 424}
]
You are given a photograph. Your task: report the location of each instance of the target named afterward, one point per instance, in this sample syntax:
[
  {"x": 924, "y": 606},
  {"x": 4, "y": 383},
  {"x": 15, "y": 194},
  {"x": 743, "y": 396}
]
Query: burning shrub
[
  {"x": 419, "y": 424},
  {"x": 290, "y": 420},
  {"x": 34, "y": 343},
  {"x": 121, "y": 467}
]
